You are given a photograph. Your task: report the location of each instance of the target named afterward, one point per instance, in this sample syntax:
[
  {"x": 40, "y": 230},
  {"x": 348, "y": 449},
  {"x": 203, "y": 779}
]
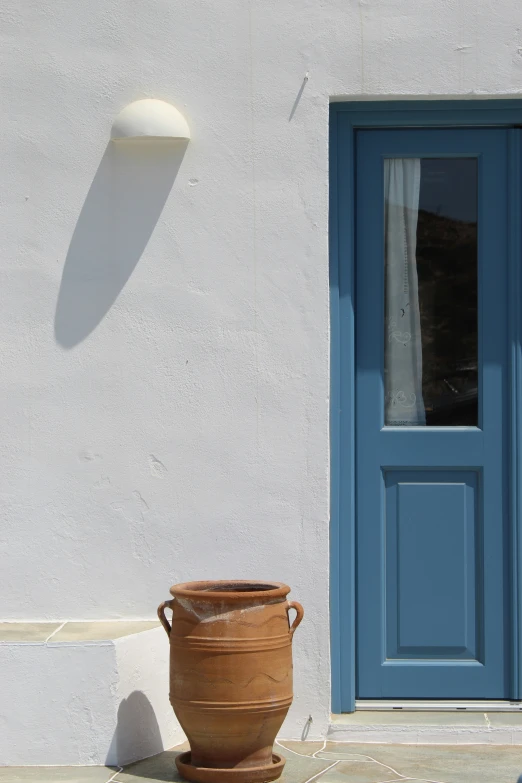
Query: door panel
[
  {"x": 431, "y": 517},
  {"x": 431, "y": 414}
]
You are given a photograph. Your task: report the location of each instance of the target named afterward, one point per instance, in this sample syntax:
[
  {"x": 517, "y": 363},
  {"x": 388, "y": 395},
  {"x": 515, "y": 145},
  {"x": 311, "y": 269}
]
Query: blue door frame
[{"x": 345, "y": 120}]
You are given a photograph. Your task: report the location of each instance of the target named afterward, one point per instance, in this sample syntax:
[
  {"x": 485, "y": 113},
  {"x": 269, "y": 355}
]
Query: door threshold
[
  {"x": 390, "y": 705},
  {"x": 443, "y": 723}
]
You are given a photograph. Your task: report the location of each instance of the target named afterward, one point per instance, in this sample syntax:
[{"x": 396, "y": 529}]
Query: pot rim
[{"x": 208, "y": 590}]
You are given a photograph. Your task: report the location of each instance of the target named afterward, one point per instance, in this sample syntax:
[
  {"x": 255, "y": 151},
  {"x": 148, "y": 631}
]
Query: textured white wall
[{"x": 164, "y": 377}]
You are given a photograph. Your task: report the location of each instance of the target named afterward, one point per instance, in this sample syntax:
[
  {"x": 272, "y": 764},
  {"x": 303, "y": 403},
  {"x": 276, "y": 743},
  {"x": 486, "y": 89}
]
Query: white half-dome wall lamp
[{"x": 150, "y": 119}]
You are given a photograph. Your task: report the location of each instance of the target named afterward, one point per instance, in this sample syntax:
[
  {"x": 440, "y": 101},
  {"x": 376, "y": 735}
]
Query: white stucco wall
[
  {"x": 164, "y": 383},
  {"x": 87, "y": 702}
]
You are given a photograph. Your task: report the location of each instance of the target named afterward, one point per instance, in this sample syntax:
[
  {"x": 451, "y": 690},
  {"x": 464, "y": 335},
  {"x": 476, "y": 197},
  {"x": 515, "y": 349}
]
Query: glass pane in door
[{"x": 431, "y": 292}]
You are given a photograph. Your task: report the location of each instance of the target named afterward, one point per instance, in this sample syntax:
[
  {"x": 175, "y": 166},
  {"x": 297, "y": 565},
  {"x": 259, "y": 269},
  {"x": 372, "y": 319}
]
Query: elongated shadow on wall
[
  {"x": 298, "y": 98},
  {"x": 137, "y": 734},
  {"x": 122, "y": 207}
]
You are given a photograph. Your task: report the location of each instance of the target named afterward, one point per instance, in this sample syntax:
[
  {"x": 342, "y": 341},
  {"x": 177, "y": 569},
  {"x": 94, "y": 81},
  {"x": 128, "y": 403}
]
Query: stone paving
[{"x": 331, "y": 762}]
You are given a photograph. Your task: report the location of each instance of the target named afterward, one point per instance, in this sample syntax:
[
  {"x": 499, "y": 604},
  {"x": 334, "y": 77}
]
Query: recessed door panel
[
  {"x": 432, "y": 612},
  {"x": 431, "y": 414}
]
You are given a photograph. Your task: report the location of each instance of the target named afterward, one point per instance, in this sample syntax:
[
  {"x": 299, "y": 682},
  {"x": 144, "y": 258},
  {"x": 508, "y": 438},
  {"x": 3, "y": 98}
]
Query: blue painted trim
[
  {"x": 335, "y": 434},
  {"x": 342, "y": 239},
  {"x": 414, "y": 105},
  {"x": 515, "y": 326},
  {"x": 410, "y": 114},
  {"x": 345, "y": 118}
]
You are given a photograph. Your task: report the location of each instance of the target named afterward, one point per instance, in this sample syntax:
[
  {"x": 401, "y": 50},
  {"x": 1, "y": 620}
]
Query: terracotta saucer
[{"x": 236, "y": 775}]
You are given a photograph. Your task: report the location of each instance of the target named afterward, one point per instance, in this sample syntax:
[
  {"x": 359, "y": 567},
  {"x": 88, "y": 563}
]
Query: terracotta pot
[{"x": 230, "y": 676}]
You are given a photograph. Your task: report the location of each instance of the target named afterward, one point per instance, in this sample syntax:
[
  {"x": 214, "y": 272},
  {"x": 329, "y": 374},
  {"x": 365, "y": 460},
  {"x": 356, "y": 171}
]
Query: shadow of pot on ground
[
  {"x": 137, "y": 734},
  {"x": 121, "y": 210}
]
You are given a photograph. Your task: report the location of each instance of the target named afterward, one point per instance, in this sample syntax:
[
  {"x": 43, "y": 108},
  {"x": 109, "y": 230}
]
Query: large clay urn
[{"x": 230, "y": 676}]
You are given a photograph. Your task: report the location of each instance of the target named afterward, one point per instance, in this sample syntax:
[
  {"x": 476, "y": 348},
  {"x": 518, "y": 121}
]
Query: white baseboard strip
[{"x": 438, "y": 706}]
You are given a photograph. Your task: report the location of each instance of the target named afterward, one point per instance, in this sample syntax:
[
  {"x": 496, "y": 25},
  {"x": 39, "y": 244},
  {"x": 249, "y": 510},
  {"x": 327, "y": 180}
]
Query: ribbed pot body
[{"x": 231, "y": 669}]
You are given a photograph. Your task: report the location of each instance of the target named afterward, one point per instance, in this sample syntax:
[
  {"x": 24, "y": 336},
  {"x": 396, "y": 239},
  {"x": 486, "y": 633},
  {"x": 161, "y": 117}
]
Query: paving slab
[
  {"x": 26, "y": 632},
  {"x": 444, "y": 763},
  {"x": 102, "y": 630},
  {"x": 307, "y": 748},
  {"x": 56, "y": 774},
  {"x": 512, "y": 719},
  {"x": 357, "y": 763},
  {"x": 358, "y": 772},
  {"x": 161, "y": 767},
  {"x": 298, "y": 769}
]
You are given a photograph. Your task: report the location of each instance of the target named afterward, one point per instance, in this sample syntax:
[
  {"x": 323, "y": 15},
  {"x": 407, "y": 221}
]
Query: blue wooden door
[{"x": 431, "y": 414}]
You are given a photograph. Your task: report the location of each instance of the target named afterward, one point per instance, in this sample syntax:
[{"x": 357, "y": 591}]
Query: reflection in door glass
[{"x": 430, "y": 239}]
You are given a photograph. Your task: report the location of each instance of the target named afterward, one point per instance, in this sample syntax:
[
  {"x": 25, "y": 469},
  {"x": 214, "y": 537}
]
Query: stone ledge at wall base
[
  {"x": 82, "y": 693},
  {"x": 417, "y": 727}
]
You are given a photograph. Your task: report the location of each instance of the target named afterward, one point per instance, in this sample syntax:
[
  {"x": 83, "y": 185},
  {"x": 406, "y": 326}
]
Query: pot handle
[
  {"x": 161, "y": 614},
  {"x": 299, "y": 616}
]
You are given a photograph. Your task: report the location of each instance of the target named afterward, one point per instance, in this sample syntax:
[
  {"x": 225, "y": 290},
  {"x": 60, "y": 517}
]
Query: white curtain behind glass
[{"x": 403, "y": 348}]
